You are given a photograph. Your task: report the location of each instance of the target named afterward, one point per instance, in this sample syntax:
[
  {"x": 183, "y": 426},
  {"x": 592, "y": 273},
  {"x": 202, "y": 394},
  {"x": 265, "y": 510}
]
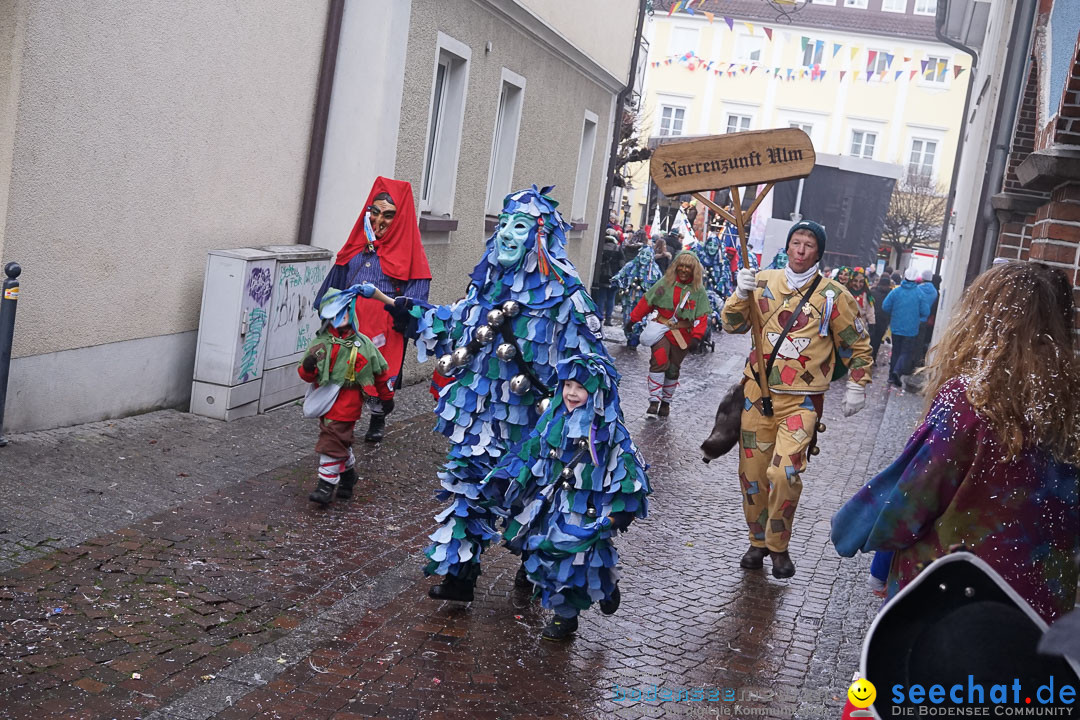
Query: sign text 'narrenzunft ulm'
[{"x": 746, "y": 158}]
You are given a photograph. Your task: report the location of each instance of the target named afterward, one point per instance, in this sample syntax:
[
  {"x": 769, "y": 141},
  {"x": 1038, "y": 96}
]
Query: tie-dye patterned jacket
[{"x": 948, "y": 488}]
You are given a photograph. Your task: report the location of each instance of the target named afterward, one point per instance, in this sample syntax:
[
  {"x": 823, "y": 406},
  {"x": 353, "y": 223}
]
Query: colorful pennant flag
[
  {"x": 870, "y": 58},
  {"x": 842, "y": 74},
  {"x": 836, "y": 48},
  {"x": 898, "y": 74},
  {"x": 805, "y": 41},
  {"x": 888, "y": 60},
  {"x": 730, "y": 23},
  {"x": 750, "y": 27},
  {"x": 768, "y": 33},
  {"x": 854, "y": 52},
  {"x": 709, "y": 16},
  {"x": 957, "y": 69}
]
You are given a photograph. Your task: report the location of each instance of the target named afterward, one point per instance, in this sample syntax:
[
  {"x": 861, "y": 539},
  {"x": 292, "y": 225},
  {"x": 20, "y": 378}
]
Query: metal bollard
[{"x": 7, "y": 333}]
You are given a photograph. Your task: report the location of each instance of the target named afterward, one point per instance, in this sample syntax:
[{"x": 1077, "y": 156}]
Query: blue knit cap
[{"x": 816, "y": 228}]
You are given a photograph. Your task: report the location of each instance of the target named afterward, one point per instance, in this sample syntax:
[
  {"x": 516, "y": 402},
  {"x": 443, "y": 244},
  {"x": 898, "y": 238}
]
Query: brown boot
[
  {"x": 654, "y": 407},
  {"x": 665, "y": 409}
]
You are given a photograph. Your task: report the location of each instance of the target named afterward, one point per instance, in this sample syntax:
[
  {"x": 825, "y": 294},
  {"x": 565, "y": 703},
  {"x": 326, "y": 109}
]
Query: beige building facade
[{"x": 126, "y": 154}]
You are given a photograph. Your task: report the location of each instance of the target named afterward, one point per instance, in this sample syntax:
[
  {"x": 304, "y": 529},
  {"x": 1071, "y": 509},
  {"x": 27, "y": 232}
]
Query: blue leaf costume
[
  {"x": 633, "y": 280},
  {"x": 478, "y": 411},
  {"x": 576, "y": 478}
]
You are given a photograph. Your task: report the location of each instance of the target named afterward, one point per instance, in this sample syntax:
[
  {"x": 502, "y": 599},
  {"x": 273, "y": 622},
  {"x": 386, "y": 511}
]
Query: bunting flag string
[{"x": 932, "y": 69}]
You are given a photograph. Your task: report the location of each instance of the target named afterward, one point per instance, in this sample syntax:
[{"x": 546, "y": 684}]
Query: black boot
[
  {"x": 754, "y": 558},
  {"x": 521, "y": 579},
  {"x": 782, "y": 567},
  {"x": 453, "y": 588},
  {"x": 375, "y": 429},
  {"x": 560, "y": 628},
  {"x": 611, "y": 604},
  {"x": 346, "y": 483},
  {"x": 323, "y": 494}
]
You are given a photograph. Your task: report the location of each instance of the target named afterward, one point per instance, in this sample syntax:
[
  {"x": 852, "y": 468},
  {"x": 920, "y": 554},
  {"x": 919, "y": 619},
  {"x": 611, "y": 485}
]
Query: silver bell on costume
[
  {"x": 519, "y": 384},
  {"x": 445, "y": 364},
  {"x": 511, "y": 308},
  {"x": 505, "y": 351},
  {"x": 484, "y": 334},
  {"x": 543, "y": 405},
  {"x": 495, "y": 318},
  {"x": 461, "y": 356}
]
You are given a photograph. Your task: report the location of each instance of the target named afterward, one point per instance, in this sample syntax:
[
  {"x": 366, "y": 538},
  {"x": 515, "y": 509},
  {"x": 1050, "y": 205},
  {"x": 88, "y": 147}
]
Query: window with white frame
[
  {"x": 748, "y": 48},
  {"x": 737, "y": 123},
  {"x": 937, "y": 69},
  {"x": 896, "y": 6},
  {"x": 855, "y": 4},
  {"x": 813, "y": 52},
  {"x": 926, "y": 7},
  {"x": 862, "y": 144},
  {"x": 584, "y": 166},
  {"x": 822, "y": 2},
  {"x": 504, "y": 144},
  {"x": 806, "y": 127},
  {"x": 672, "y": 118},
  {"x": 683, "y": 40},
  {"x": 880, "y": 62},
  {"x": 445, "y": 122},
  {"x": 923, "y": 153}
]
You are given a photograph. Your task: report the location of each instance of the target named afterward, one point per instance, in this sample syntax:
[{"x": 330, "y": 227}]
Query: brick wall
[
  {"x": 1023, "y": 139},
  {"x": 1055, "y": 234}
]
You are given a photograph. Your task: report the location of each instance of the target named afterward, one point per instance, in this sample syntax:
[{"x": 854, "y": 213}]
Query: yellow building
[{"x": 864, "y": 78}]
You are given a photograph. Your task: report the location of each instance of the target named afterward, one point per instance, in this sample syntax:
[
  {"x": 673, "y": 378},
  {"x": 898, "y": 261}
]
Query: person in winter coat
[
  {"x": 984, "y": 471},
  {"x": 880, "y": 291},
  {"x": 662, "y": 255},
  {"x": 909, "y": 308},
  {"x": 927, "y": 285},
  {"x": 603, "y": 292}
]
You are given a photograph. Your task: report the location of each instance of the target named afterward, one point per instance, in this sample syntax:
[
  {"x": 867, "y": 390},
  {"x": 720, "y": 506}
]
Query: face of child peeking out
[{"x": 574, "y": 394}]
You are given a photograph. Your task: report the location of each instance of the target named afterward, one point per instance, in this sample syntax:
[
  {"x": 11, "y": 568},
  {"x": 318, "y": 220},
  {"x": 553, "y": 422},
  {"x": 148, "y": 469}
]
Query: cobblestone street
[{"x": 166, "y": 566}]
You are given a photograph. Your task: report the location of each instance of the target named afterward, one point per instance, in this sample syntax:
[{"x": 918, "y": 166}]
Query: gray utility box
[{"x": 256, "y": 321}]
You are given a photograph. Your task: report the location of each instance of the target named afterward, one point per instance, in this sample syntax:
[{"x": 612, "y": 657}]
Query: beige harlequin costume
[{"x": 773, "y": 449}]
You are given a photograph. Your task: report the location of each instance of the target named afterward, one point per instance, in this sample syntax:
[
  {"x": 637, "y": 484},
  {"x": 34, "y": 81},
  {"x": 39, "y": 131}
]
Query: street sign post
[{"x": 732, "y": 161}]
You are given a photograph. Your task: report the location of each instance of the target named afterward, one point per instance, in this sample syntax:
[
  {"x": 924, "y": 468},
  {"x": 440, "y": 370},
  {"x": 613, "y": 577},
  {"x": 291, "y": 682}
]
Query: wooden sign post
[{"x": 732, "y": 161}]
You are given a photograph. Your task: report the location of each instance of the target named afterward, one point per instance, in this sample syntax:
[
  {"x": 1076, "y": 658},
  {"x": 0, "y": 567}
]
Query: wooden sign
[{"x": 734, "y": 159}]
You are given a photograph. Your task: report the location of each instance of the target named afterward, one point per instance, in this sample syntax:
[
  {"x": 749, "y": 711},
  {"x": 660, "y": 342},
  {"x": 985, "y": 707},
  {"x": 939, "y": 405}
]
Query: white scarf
[{"x": 797, "y": 280}]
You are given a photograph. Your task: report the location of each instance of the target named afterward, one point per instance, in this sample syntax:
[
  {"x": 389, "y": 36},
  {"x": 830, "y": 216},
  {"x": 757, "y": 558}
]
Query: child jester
[{"x": 579, "y": 479}]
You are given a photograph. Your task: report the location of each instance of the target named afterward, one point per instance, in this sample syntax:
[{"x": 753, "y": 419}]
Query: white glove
[
  {"x": 854, "y": 398},
  {"x": 745, "y": 283}
]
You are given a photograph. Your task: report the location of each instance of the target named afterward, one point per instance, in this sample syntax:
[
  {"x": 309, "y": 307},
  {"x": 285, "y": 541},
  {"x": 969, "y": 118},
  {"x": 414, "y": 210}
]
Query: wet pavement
[{"x": 197, "y": 581}]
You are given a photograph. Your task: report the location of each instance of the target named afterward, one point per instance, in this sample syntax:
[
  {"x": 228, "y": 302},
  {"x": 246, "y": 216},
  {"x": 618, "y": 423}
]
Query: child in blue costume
[
  {"x": 633, "y": 280},
  {"x": 578, "y": 479},
  {"x": 498, "y": 348}
]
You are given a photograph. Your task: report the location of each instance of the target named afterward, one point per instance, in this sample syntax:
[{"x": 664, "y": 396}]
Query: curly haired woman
[{"x": 993, "y": 467}]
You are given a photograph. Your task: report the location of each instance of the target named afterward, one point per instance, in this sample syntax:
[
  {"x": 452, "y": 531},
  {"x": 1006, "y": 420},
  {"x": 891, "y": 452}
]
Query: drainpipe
[
  {"x": 987, "y": 226},
  {"x": 620, "y": 103},
  {"x": 321, "y": 117},
  {"x": 942, "y": 11}
]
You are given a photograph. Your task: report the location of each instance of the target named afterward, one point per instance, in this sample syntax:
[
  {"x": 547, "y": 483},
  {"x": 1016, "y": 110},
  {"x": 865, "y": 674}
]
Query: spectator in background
[
  {"x": 880, "y": 291},
  {"x": 896, "y": 278},
  {"x": 909, "y": 308},
  {"x": 662, "y": 255},
  {"x": 928, "y": 287},
  {"x": 610, "y": 262},
  {"x": 674, "y": 242}
]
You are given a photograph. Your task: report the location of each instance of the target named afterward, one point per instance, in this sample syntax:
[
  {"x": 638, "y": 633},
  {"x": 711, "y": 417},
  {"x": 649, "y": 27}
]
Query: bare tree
[
  {"x": 916, "y": 213},
  {"x": 632, "y": 149}
]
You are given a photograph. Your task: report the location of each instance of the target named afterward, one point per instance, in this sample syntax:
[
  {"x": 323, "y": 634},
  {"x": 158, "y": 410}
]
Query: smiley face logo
[{"x": 862, "y": 693}]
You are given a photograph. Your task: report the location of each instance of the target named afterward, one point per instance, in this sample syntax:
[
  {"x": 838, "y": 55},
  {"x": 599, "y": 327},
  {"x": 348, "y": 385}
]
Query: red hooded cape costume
[{"x": 401, "y": 257}]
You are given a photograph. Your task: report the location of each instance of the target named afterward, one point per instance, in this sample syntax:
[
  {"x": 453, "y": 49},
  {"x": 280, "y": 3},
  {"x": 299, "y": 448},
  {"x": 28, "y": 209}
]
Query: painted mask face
[
  {"x": 712, "y": 245},
  {"x": 842, "y": 277},
  {"x": 574, "y": 394},
  {"x": 511, "y": 236},
  {"x": 382, "y": 214},
  {"x": 684, "y": 274}
]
